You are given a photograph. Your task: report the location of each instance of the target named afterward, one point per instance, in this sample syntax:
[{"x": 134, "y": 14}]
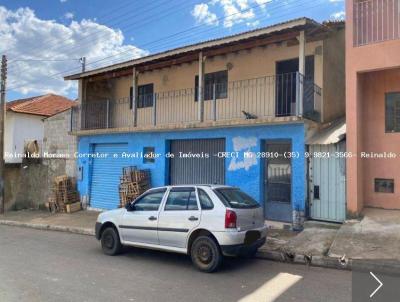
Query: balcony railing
[
  {"x": 269, "y": 96},
  {"x": 375, "y": 21}
]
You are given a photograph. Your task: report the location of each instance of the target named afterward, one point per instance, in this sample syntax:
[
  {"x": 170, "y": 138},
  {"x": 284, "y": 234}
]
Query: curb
[
  {"x": 319, "y": 261},
  {"x": 58, "y": 228}
]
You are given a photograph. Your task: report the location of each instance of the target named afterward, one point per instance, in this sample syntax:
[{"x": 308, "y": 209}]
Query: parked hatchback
[{"x": 206, "y": 222}]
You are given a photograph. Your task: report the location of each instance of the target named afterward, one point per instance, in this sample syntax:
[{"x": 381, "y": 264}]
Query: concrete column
[
  {"x": 302, "y": 70},
  {"x": 134, "y": 96},
  {"x": 79, "y": 119},
  {"x": 354, "y": 175},
  {"x": 354, "y": 170},
  {"x": 200, "y": 96}
]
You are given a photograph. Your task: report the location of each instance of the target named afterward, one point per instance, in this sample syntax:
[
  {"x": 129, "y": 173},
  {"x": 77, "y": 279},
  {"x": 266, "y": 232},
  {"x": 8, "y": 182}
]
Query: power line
[
  {"x": 81, "y": 45},
  {"x": 189, "y": 29},
  {"x": 45, "y": 60},
  {"x": 175, "y": 34},
  {"x": 58, "y": 45}
]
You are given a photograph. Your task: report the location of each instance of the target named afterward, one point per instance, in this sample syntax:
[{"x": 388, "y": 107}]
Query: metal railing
[
  {"x": 269, "y": 96},
  {"x": 375, "y": 21}
]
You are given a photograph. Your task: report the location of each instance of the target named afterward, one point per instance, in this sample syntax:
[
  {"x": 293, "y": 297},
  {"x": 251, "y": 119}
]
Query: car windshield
[{"x": 234, "y": 198}]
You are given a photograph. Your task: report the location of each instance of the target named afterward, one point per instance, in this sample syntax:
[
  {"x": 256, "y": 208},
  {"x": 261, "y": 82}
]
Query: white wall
[{"x": 19, "y": 128}]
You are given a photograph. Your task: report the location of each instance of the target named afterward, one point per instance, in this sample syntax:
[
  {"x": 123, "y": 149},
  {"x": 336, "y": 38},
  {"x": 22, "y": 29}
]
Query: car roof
[{"x": 192, "y": 185}]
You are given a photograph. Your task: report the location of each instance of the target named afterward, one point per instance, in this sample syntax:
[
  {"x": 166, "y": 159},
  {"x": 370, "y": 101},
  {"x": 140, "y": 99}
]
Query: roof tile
[{"x": 46, "y": 105}]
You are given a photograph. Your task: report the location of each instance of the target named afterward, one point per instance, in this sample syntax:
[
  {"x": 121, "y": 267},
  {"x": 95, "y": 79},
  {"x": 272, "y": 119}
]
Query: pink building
[{"x": 373, "y": 104}]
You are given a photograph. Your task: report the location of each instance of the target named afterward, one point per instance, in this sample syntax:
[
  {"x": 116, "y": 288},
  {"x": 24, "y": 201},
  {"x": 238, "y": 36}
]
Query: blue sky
[{"x": 110, "y": 31}]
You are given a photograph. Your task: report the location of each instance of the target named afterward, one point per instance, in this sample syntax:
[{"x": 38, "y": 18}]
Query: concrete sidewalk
[
  {"x": 81, "y": 222},
  {"x": 375, "y": 237}
]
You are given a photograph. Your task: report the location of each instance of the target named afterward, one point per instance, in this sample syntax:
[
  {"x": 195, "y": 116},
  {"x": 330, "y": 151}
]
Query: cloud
[
  {"x": 25, "y": 36},
  {"x": 63, "y": 1},
  {"x": 234, "y": 12},
  {"x": 202, "y": 15},
  {"x": 338, "y": 15},
  {"x": 69, "y": 15}
]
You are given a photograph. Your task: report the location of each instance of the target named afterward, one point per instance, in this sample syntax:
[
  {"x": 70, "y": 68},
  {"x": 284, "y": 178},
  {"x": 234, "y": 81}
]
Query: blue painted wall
[{"x": 247, "y": 177}]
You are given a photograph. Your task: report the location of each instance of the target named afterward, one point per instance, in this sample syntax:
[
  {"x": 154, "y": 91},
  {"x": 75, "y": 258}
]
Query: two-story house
[
  {"x": 373, "y": 104},
  {"x": 235, "y": 110}
]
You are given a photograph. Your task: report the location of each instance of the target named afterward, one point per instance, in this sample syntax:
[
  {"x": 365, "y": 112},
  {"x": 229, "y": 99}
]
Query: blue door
[{"x": 106, "y": 173}]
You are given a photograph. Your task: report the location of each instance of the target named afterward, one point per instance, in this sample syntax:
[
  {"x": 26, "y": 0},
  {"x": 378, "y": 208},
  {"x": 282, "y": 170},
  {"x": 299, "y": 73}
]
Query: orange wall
[
  {"x": 374, "y": 139},
  {"x": 361, "y": 60}
]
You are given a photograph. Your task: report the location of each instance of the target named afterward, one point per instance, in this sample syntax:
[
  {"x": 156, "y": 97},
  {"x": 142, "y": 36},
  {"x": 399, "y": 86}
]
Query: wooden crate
[{"x": 73, "y": 207}]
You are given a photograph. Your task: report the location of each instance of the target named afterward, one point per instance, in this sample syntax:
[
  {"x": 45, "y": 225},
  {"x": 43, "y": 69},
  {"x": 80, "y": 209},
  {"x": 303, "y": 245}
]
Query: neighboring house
[
  {"x": 373, "y": 104},
  {"x": 24, "y": 123},
  {"x": 259, "y": 92}
]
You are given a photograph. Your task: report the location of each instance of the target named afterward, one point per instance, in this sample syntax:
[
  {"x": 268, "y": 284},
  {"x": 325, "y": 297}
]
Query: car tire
[
  {"x": 206, "y": 254},
  {"x": 110, "y": 242}
]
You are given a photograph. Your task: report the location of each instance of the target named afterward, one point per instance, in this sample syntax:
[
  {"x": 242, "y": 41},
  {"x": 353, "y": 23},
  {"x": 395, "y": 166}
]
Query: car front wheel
[
  {"x": 206, "y": 255},
  {"x": 110, "y": 242}
]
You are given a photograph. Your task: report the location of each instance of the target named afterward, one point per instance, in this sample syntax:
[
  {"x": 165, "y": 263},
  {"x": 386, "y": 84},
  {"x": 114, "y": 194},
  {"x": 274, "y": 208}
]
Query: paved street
[{"x": 53, "y": 266}]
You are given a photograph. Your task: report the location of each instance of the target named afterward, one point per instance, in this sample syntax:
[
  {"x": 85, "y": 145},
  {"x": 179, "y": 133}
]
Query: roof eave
[{"x": 297, "y": 23}]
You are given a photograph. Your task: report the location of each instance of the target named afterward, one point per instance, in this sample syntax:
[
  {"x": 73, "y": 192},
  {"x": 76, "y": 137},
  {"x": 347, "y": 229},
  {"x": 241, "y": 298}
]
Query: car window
[
  {"x": 236, "y": 198},
  {"x": 150, "y": 201},
  {"x": 181, "y": 200},
  {"x": 205, "y": 200}
]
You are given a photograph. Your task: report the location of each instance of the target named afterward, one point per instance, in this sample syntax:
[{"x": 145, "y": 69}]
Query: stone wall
[
  {"x": 28, "y": 185},
  {"x": 58, "y": 142}
]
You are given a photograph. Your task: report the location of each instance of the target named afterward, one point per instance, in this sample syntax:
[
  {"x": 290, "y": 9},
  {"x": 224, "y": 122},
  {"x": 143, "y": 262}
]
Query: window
[
  {"x": 130, "y": 97},
  {"x": 392, "y": 118},
  {"x": 150, "y": 201},
  {"x": 145, "y": 96},
  {"x": 234, "y": 198},
  {"x": 181, "y": 199},
  {"x": 316, "y": 192},
  {"x": 148, "y": 155},
  {"x": 384, "y": 185},
  {"x": 205, "y": 200},
  {"x": 220, "y": 79}
]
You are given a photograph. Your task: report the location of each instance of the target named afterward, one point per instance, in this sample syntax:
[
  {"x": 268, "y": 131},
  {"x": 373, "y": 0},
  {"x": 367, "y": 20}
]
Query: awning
[{"x": 331, "y": 134}]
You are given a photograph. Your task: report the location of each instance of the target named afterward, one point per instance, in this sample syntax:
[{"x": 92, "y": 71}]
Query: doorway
[
  {"x": 278, "y": 181},
  {"x": 286, "y": 85}
]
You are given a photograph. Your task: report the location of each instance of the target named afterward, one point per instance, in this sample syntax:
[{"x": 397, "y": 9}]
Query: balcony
[
  {"x": 375, "y": 21},
  {"x": 268, "y": 97}
]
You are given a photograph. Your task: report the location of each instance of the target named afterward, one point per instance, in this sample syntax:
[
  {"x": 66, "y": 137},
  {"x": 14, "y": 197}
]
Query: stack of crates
[{"x": 133, "y": 183}]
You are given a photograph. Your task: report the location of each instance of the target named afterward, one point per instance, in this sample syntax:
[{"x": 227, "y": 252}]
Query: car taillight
[{"x": 230, "y": 219}]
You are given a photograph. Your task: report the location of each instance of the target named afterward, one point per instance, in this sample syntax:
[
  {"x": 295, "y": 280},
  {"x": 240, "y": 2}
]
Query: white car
[{"x": 206, "y": 222}]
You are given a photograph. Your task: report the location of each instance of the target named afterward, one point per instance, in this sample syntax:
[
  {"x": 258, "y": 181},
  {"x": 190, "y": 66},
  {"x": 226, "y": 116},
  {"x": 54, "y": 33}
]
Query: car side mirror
[{"x": 129, "y": 207}]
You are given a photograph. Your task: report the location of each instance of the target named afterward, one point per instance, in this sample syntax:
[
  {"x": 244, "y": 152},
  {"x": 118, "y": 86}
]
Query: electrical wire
[{"x": 175, "y": 34}]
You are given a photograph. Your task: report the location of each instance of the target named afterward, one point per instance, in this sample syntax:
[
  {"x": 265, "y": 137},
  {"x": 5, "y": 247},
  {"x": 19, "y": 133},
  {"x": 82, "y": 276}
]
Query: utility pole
[
  {"x": 83, "y": 63},
  {"x": 2, "y": 117}
]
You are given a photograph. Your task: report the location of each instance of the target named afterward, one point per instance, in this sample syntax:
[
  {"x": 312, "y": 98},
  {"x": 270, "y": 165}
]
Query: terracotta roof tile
[{"x": 46, "y": 105}]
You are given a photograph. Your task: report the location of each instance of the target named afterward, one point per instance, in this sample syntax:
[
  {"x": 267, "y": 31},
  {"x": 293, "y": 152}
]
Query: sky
[{"x": 45, "y": 39}]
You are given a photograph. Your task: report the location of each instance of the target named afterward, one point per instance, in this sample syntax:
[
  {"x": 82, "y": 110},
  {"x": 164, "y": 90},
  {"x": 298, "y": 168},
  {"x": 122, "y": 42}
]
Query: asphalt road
[{"x": 52, "y": 266}]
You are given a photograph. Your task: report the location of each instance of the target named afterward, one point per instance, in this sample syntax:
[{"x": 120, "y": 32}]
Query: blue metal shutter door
[{"x": 106, "y": 173}]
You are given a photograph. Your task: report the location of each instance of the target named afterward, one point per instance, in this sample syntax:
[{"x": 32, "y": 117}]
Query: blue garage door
[{"x": 106, "y": 174}]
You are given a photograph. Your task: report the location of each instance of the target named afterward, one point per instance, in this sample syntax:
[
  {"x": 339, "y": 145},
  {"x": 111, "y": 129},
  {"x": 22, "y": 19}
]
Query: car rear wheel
[
  {"x": 206, "y": 254},
  {"x": 110, "y": 242}
]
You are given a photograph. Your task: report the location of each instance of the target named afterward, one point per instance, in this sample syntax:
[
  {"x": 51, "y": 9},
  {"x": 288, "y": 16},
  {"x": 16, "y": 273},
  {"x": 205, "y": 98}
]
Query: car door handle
[
  {"x": 152, "y": 218},
  {"x": 192, "y": 218}
]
